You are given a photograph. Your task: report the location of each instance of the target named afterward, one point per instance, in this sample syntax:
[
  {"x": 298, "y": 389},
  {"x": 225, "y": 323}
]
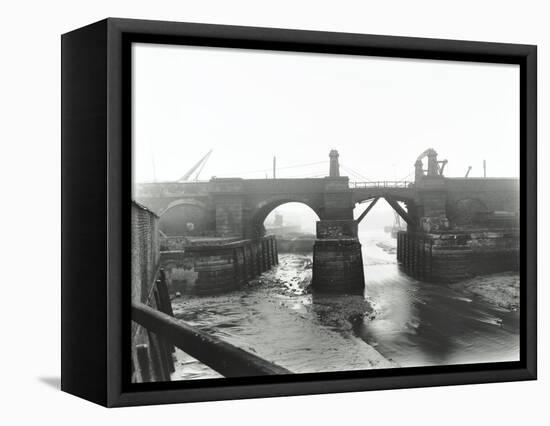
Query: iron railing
[
  {"x": 226, "y": 359},
  {"x": 381, "y": 184}
]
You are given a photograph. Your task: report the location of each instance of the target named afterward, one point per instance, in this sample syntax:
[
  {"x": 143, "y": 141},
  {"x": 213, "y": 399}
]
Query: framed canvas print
[{"x": 253, "y": 212}]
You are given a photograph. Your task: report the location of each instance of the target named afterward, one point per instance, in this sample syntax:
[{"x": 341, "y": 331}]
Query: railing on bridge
[
  {"x": 381, "y": 184},
  {"x": 226, "y": 359}
]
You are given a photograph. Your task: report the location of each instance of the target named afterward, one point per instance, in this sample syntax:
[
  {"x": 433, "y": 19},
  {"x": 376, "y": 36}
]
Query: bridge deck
[
  {"x": 398, "y": 190},
  {"x": 381, "y": 184}
]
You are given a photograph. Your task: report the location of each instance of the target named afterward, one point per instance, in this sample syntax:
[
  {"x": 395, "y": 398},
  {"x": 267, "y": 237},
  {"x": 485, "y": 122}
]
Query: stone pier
[
  {"x": 337, "y": 259},
  {"x": 461, "y": 227},
  {"x": 215, "y": 265},
  {"x": 457, "y": 255}
]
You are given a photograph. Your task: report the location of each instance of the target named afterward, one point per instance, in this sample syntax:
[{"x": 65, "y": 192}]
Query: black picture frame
[{"x": 96, "y": 183}]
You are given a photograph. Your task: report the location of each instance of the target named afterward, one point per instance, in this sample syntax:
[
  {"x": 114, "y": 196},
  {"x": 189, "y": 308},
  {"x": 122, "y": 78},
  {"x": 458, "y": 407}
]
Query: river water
[{"x": 400, "y": 322}]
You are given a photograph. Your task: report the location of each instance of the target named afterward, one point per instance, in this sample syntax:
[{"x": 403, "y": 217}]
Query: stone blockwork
[
  {"x": 216, "y": 266},
  {"x": 457, "y": 255},
  {"x": 337, "y": 229},
  {"x": 229, "y": 216},
  {"x": 465, "y": 227},
  {"x": 337, "y": 258},
  {"x": 338, "y": 267},
  {"x": 337, "y": 203}
]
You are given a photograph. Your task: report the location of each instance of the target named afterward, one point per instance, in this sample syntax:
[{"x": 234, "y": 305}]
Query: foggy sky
[{"x": 379, "y": 113}]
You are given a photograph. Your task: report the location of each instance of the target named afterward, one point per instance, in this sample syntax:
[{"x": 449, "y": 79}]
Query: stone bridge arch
[
  {"x": 261, "y": 210},
  {"x": 186, "y": 217},
  {"x": 182, "y": 201}
]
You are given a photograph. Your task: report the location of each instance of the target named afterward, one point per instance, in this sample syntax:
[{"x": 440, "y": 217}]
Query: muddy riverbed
[{"x": 399, "y": 322}]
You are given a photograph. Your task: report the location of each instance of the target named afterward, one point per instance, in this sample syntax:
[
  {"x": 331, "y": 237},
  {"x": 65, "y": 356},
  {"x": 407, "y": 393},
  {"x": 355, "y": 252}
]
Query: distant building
[{"x": 277, "y": 227}]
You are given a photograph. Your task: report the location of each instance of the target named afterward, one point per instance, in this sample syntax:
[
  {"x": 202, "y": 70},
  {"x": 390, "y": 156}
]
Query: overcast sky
[{"x": 379, "y": 113}]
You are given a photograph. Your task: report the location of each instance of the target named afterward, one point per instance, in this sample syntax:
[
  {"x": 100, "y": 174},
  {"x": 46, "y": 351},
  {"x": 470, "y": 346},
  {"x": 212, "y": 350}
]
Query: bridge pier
[
  {"x": 337, "y": 259},
  {"x": 455, "y": 255}
]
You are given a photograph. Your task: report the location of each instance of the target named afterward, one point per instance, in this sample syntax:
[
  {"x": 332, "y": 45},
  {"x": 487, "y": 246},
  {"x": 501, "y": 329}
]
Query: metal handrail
[
  {"x": 226, "y": 359},
  {"x": 381, "y": 184}
]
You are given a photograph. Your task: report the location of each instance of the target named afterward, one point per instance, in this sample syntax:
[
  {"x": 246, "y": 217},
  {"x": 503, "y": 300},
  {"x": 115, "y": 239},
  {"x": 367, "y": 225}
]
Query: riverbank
[
  {"x": 402, "y": 322},
  {"x": 500, "y": 289},
  {"x": 277, "y": 318}
]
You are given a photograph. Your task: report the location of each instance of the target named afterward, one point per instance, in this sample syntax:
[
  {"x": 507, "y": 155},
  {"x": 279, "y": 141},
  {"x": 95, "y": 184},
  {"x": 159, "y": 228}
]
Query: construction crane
[
  {"x": 441, "y": 165},
  {"x": 435, "y": 167},
  {"x": 200, "y": 165}
]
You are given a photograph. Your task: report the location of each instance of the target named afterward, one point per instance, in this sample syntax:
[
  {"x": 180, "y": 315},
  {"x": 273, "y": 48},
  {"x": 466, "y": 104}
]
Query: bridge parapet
[
  {"x": 226, "y": 185},
  {"x": 236, "y": 207},
  {"x": 287, "y": 186},
  {"x": 170, "y": 189}
]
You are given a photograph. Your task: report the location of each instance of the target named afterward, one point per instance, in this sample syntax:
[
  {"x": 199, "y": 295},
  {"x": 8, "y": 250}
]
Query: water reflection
[{"x": 419, "y": 323}]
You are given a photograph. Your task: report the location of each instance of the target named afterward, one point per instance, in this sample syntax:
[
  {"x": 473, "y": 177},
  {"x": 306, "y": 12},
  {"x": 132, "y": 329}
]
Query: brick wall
[
  {"x": 145, "y": 252},
  {"x": 151, "y": 357}
]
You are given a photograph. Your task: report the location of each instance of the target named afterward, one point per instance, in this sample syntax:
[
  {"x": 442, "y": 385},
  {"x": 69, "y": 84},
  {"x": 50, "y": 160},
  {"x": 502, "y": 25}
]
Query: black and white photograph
[
  {"x": 275, "y": 213},
  {"x": 301, "y": 212}
]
